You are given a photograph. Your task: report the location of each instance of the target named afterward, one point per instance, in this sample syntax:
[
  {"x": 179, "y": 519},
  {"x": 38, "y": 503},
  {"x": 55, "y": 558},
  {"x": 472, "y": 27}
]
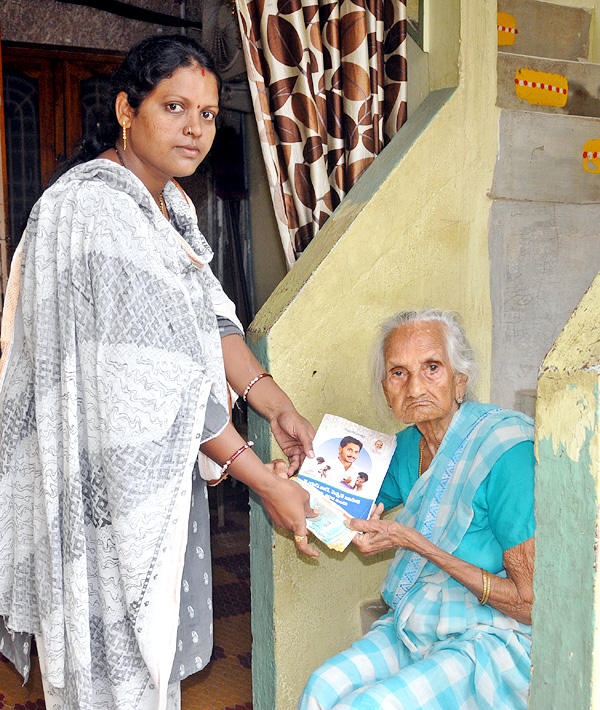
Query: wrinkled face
[
  {"x": 349, "y": 454},
  {"x": 174, "y": 126},
  {"x": 420, "y": 385}
]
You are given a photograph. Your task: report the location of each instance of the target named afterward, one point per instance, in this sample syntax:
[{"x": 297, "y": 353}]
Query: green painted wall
[
  {"x": 566, "y": 642},
  {"x": 412, "y": 233},
  {"x": 566, "y": 519}
]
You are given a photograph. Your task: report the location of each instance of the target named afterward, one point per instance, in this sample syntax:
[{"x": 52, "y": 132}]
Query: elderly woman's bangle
[
  {"x": 230, "y": 460},
  {"x": 487, "y": 585},
  {"x": 251, "y": 384}
]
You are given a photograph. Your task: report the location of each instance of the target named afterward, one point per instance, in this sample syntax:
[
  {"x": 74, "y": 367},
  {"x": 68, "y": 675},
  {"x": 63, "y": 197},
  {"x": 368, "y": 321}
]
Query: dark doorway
[{"x": 51, "y": 99}]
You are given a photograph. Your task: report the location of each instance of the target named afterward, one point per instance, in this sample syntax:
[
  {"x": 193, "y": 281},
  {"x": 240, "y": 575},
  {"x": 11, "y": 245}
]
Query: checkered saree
[{"x": 438, "y": 648}]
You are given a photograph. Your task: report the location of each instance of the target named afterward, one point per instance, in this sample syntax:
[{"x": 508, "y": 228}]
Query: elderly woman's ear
[
  {"x": 461, "y": 387},
  {"x": 385, "y": 394}
]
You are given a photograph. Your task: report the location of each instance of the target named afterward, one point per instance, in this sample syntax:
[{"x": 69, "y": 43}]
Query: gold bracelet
[{"x": 487, "y": 586}]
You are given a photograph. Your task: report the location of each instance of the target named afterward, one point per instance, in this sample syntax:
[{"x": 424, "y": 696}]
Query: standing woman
[{"x": 114, "y": 384}]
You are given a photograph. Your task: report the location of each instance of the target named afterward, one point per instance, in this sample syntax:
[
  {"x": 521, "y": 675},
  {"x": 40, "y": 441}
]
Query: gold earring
[{"x": 124, "y": 137}]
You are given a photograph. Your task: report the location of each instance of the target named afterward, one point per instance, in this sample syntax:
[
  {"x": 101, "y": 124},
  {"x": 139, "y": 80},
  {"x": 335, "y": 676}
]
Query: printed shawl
[{"x": 114, "y": 357}]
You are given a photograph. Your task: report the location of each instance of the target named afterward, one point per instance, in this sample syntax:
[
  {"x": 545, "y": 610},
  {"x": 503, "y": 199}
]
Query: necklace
[
  {"x": 161, "y": 200},
  {"x": 421, "y": 447}
]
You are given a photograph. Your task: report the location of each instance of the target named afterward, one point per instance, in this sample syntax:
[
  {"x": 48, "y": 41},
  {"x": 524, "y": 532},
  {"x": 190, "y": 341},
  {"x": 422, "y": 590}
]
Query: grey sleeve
[
  {"x": 227, "y": 327},
  {"x": 216, "y": 414},
  {"x": 216, "y": 418}
]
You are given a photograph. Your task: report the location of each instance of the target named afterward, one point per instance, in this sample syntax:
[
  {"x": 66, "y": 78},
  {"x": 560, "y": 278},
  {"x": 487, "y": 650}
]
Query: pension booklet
[{"x": 344, "y": 477}]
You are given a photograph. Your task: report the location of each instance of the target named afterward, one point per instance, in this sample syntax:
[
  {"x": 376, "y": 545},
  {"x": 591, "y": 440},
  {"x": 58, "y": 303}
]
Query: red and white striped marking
[
  {"x": 540, "y": 85},
  {"x": 512, "y": 30}
]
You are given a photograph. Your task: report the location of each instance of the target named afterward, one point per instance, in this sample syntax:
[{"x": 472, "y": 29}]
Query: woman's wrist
[
  {"x": 268, "y": 399},
  {"x": 413, "y": 540},
  {"x": 250, "y": 470}
]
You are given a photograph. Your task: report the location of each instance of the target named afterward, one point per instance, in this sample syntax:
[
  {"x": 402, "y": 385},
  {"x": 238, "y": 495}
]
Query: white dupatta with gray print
[{"x": 110, "y": 362}]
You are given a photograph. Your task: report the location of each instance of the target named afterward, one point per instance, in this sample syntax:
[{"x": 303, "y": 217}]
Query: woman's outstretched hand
[
  {"x": 288, "y": 504},
  {"x": 379, "y": 535},
  {"x": 295, "y": 435}
]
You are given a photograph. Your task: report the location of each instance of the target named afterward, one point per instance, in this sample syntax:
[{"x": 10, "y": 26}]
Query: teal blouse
[{"x": 503, "y": 507}]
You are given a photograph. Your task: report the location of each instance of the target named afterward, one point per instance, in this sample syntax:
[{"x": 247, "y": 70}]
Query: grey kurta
[{"x": 115, "y": 358}]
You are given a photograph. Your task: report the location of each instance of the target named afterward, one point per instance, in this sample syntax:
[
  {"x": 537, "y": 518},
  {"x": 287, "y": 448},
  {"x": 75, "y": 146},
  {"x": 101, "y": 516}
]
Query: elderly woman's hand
[{"x": 376, "y": 535}]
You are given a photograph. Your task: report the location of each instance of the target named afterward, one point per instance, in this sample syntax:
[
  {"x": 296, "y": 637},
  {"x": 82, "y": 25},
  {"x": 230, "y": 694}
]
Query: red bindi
[
  {"x": 202, "y": 70},
  {"x": 198, "y": 106}
]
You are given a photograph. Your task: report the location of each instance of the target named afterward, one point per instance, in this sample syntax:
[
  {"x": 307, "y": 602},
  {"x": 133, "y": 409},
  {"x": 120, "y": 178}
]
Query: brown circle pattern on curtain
[{"x": 328, "y": 82}]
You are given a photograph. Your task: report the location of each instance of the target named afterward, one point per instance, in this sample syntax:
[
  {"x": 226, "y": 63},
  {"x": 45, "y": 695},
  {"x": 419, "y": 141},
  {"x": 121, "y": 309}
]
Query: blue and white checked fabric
[
  {"x": 438, "y": 648},
  {"x": 484, "y": 669}
]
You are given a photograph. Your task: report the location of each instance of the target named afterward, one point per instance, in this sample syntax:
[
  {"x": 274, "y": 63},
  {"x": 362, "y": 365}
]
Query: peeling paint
[
  {"x": 567, "y": 416},
  {"x": 568, "y": 514}
]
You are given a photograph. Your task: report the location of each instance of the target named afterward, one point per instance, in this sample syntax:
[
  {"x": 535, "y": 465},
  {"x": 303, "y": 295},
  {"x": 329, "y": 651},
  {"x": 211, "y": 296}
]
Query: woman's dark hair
[{"x": 147, "y": 63}]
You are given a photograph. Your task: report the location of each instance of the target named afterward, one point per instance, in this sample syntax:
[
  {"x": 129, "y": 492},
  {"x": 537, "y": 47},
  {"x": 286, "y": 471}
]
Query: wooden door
[
  {"x": 51, "y": 98},
  {"x": 87, "y": 85},
  {"x": 30, "y": 135}
]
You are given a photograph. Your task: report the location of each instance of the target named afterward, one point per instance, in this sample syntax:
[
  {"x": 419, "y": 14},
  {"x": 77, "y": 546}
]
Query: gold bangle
[{"x": 487, "y": 586}]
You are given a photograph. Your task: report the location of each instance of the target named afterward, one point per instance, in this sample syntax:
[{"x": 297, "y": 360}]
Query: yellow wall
[
  {"x": 593, "y": 5},
  {"x": 420, "y": 240}
]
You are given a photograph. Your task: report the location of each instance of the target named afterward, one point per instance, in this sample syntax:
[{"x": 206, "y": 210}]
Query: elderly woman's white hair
[{"x": 460, "y": 353}]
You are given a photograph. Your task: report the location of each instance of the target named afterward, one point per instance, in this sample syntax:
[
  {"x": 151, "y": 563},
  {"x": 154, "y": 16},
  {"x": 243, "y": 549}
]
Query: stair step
[
  {"x": 540, "y": 158},
  {"x": 583, "y": 78},
  {"x": 543, "y": 257},
  {"x": 549, "y": 30}
]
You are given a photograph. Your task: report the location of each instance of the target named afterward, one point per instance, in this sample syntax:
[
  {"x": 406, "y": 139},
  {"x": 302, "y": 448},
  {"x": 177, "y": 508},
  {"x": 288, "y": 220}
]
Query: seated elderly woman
[{"x": 460, "y": 586}]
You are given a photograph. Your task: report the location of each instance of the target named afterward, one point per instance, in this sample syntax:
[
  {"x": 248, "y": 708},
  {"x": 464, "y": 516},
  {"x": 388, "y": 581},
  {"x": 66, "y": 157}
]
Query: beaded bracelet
[
  {"x": 230, "y": 460},
  {"x": 251, "y": 384},
  {"x": 487, "y": 585}
]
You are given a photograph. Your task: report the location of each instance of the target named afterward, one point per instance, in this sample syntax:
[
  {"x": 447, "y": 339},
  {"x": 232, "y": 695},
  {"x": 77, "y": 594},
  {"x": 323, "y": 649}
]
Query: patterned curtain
[{"x": 328, "y": 81}]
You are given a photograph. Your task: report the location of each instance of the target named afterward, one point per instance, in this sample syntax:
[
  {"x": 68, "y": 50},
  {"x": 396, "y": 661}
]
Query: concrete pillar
[{"x": 566, "y": 635}]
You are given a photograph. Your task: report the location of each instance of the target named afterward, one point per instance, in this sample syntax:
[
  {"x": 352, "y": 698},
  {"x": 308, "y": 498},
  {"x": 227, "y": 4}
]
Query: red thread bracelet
[
  {"x": 251, "y": 384},
  {"x": 229, "y": 461}
]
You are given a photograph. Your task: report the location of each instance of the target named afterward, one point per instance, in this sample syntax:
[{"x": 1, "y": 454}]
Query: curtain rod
[{"x": 133, "y": 12}]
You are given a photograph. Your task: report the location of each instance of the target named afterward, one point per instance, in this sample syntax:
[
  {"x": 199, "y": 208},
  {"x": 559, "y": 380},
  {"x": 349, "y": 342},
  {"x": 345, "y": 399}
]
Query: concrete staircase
[{"x": 545, "y": 218}]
